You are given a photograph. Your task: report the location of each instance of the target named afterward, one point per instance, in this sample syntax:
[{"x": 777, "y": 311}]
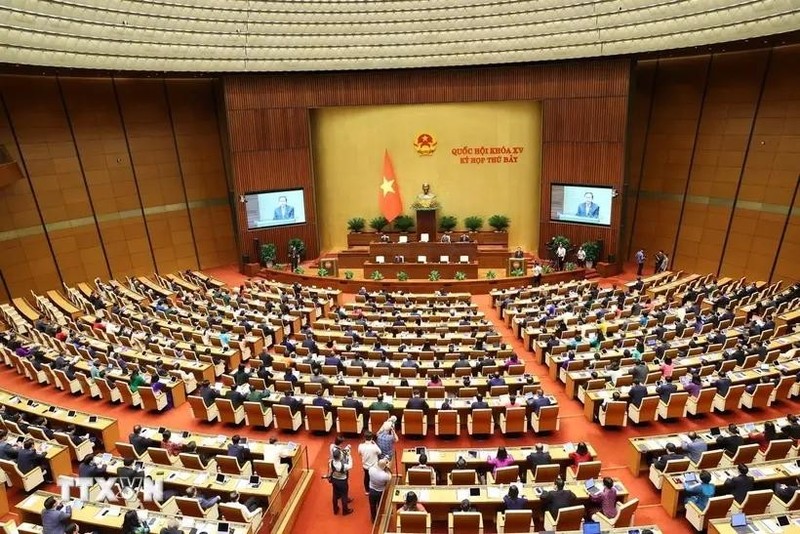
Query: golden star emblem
[{"x": 387, "y": 186}]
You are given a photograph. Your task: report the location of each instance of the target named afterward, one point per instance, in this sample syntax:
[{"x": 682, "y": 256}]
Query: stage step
[{"x": 590, "y": 274}]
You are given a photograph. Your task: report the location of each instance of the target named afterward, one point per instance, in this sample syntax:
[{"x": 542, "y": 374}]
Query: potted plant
[
  {"x": 378, "y": 223},
  {"x": 402, "y": 276},
  {"x": 298, "y": 245},
  {"x": 434, "y": 276},
  {"x": 569, "y": 266},
  {"x": 547, "y": 268},
  {"x": 499, "y": 222},
  {"x": 403, "y": 223},
  {"x": 268, "y": 254},
  {"x": 447, "y": 223},
  {"x": 322, "y": 271},
  {"x": 592, "y": 250},
  {"x": 376, "y": 275},
  {"x": 518, "y": 272},
  {"x": 299, "y": 270},
  {"x": 473, "y": 223},
  {"x": 348, "y": 275},
  {"x": 460, "y": 275},
  {"x": 491, "y": 275},
  {"x": 356, "y": 224}
]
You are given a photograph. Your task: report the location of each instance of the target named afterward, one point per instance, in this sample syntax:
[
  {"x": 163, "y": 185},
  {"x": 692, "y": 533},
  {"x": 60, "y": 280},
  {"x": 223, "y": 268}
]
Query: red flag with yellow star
[{"x": 389, "y": 201}]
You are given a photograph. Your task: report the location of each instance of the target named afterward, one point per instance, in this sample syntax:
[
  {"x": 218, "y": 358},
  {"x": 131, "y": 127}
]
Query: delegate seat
[
  {"x": 614, "y": 414},
  {"x": 228, "y": 413},
  {"x": 376, "y": 419},
  {"x": 776, "y": 450},
  {"x": 783, "y": 390},
  {"x": 127, "y": 451},
  {"x": 673, "y": 466},
  {"x": 447, "y": 424},
  {"x": 546, "y": 420},
  {"x": 230, "y": 466},
  {"x": 192, "y": 461},
  {"x": 777, "y": 506},
  {"x": 755, "y": 502},
  {"x": 546, "y": 473},
  {"x": 480, "y": 422},
  {"x": 28, "y": 481},
  {"x": 109, "y": 395},
  {"x": 286, "y": 420},
  {"x": 708, "y": 460},
  {"x": 270, "y": 469},
  {"x": 417, "y": 476},
  {"x": 235, "y": 514},
  {"x": 88, "y": 387},
  {"x": 745, "y": 454},
  {"x": 257, "y": 415},
  {"x": 161, "y": 456},
  {"x": 201, "y": 411},
  {"x": 514, "y": 421},
  {"x": 413, "y": 522},
  {"x": 760, "y": 398},
  {"x": 349, "y": 421},
  {"x": 77, "y": 451},
  {"x": 152, "y": 401},
  {"x": 716, "y": 508},
  {"x": 730, "y": 401},
  {"x": 624, "y": 517},
  {"x": 73, "y": 386},
  {"x": 128, "y": 397},
  {"x": 462, "y": 477},
  {"x": 703, "y": 403},
  {"x": 569, "y": 518},
  {"x": 585, "y": 471},
  {"x": 675, "y": 408},
  {"x": 414, "y": 423},
  {"x": 503, "y": 475},
  {"x": 514, "y": 522},
  {"x": 169, "y": 506},
  {"x": 465, "y": 523},
  {"x": 191, "y": 507},
  {"x": 645, "y": 413},
  {"x": 318, "y": 419}
]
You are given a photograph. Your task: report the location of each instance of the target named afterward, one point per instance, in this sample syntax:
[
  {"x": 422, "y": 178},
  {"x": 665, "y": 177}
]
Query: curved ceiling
[{"x": 292, "y": 35}]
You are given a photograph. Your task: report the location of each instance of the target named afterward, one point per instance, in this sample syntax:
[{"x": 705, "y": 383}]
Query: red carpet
[{"x": 317, "y": 514}]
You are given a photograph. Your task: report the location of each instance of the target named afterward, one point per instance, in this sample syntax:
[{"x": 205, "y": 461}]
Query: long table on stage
[
  {"x": 431, "y": 250},
  {"x": 422, "y": 270}
]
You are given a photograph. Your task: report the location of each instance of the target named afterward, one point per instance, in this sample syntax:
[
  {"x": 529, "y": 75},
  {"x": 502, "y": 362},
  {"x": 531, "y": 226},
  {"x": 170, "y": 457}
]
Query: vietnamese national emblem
[{"x": 425, "y": 144}]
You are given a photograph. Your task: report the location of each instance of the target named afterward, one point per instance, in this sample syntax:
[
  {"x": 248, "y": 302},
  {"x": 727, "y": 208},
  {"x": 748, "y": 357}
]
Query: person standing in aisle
[
  {"x": 369, "y": 452},
  {"x": 338, "y": 473},
  {"x": 379, "y": 477}
]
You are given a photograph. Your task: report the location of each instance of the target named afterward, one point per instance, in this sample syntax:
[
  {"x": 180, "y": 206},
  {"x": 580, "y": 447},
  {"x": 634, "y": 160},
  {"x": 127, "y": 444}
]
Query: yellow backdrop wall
[{"x": 349, "y": 143}]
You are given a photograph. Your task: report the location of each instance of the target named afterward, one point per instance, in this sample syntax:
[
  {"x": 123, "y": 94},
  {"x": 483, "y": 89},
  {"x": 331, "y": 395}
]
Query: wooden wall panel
[
  {"x": 75, "y": 137},
  {"x": 267, "y": 123},
  {"x": 643, "y": 80},
  {"x": 729, "y": 110},
  {"x": 786, "y": 267},
  {"x": 670, "y": 140}
]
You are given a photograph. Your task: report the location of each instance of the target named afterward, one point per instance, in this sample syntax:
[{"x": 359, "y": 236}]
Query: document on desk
[
  {"x": 770, "y": 525},
  {"x": 495, "y": 492},
  {"x": 462, "y": 494}
]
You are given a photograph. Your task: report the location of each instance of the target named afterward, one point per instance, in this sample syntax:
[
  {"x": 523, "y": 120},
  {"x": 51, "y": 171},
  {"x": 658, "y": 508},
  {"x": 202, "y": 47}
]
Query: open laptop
[
  {"x": 591, "y": 528},
  {"x": 739, "y": 522},
  {"x": 591, "y": 487}
]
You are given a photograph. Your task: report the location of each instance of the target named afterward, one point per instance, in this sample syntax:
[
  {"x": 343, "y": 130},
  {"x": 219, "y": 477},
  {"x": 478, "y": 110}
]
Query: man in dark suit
[
  {"x": 236, "y": 397},
  {"x": 792, "y": 430},
  {"x": 666, "y": 389},
  {"x": 284, "y": 211},
  {"x": 129, "y": 476},
  {"x": 538, "y": 457},
  {"x": 723, "y": 384},
  {"x": 89, "y": 469},
  {"x": 538, "y": 401},
  {"x": 479, "y": 403},
  {"x": 417, "y": 403},
  {"x": 588, "y": 208},
  {"x": 28, "y": 459},
  {"x": 321, "y": 401},
  {"x": 238, "y": 451},
  {"x": 7, "y": 450},
  {"x": 639, "y": 371},
  {"x": 351, "y": 402},
  {"x": 732, "y": 441},
  {"x": 637, "y": 393},
  {"x": 241, "y": 376},
  {"x": 671, "y": 454},
  {"x": 141, "y": 443},
  {"x": 553, "y": 501},
  {"x": 786, "y": 492},
  {"x": 291, "y": 402},
  {"x": 739, "y": 485},
  {"x": 208, "y": 393}
]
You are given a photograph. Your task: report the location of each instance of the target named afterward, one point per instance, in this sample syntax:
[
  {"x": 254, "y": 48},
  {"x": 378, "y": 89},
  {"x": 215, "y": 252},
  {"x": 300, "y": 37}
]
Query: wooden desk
[
  {"x": 761, "y": 523},
  {"x": 765, "y": 474},
  {"x": 57, "y": 455},
  {"x": 422, "y": 270},
  {"x": 666, "y": 290},
  {"x": 63, "y": 304},
  {"x": 639, "y": 448},
  {"x": 432, "y": 250},
  {"x": 105, "y": 427},
  {"x": 88, "y": 516},
  {"x": 156, "y": 288},
  {"x": 444, "y": 460},
  {"x": 25, "y": 309},
  {"x": 441, "y": 500}
]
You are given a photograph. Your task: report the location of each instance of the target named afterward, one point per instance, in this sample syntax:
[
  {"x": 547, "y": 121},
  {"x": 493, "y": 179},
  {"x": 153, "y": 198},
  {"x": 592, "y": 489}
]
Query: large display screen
[
  {"x": 581, "y": 204},
  {"x": 267, "y": 209}
]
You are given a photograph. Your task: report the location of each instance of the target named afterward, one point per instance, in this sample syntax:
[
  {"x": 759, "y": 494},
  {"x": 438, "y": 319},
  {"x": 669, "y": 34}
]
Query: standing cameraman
[{"x": 379, "y": 477}]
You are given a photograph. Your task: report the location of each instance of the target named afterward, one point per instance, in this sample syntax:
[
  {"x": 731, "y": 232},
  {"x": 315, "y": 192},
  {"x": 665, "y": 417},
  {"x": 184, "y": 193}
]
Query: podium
[
  {"x": 516, "y": 264},
  {"x": 426, "y": 223},
  {"x": 331, "y": 265}
]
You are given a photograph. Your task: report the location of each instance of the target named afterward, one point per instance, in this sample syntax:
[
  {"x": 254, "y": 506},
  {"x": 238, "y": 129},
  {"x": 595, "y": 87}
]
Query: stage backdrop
[{"x": 349, "y": 143}]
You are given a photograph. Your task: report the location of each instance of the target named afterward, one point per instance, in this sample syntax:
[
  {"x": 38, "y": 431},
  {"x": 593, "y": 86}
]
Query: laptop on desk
[
  {"x": 739, "y": 523},
  {"x": 591, "y": 487}
]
